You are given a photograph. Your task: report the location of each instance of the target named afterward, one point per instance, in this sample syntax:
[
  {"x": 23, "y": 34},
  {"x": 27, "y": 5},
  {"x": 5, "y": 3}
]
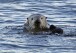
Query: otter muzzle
[{"x": 37, "y": 24}]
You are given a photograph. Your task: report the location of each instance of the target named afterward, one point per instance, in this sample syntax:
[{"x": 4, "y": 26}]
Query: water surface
[{"x": 13, "y": 15}]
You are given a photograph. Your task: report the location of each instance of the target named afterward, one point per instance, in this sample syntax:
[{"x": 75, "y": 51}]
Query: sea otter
[{"x": 38, "y": 23}]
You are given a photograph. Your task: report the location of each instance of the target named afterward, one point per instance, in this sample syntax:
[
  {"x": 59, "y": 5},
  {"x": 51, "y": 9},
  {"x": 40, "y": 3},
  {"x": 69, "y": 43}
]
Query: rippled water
[{"x": 13, "y": 15}]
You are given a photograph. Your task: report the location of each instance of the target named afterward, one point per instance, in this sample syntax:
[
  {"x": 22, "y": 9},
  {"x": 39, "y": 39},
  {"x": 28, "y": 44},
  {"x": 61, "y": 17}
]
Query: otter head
[{"x": 37, "y": 21}]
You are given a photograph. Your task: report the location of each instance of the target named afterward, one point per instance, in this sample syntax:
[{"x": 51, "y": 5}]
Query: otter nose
[{"x": 37, "y": 22}]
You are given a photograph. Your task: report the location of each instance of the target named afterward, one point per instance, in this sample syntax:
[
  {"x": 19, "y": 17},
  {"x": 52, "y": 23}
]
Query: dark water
[{"x": 13, "y": 14}]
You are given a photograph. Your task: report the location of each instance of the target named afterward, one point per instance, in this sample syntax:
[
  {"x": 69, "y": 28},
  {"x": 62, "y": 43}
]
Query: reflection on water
[{"x": 13, "y": 15}]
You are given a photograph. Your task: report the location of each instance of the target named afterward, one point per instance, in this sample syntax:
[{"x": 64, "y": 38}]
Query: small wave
[
  {"x": 12, "y": 45},
  {"x": 7, "y": 1},
  {"x": 9, "y": 21},
  {"x": 12, "y": 30}
]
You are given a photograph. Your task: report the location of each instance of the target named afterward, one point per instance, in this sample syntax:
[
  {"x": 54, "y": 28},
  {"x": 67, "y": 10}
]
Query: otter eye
[{"x": 32, "y": 19}]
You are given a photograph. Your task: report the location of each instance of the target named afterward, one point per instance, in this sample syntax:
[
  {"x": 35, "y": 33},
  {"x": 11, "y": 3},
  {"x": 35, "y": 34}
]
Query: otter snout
[{"x": 37, "y": 23}]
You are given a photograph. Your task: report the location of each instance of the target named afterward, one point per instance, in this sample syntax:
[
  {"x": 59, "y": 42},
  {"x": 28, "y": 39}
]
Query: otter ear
[
  {"x": 27, "y": 21},
  {"x": 27, "y": 18}
]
